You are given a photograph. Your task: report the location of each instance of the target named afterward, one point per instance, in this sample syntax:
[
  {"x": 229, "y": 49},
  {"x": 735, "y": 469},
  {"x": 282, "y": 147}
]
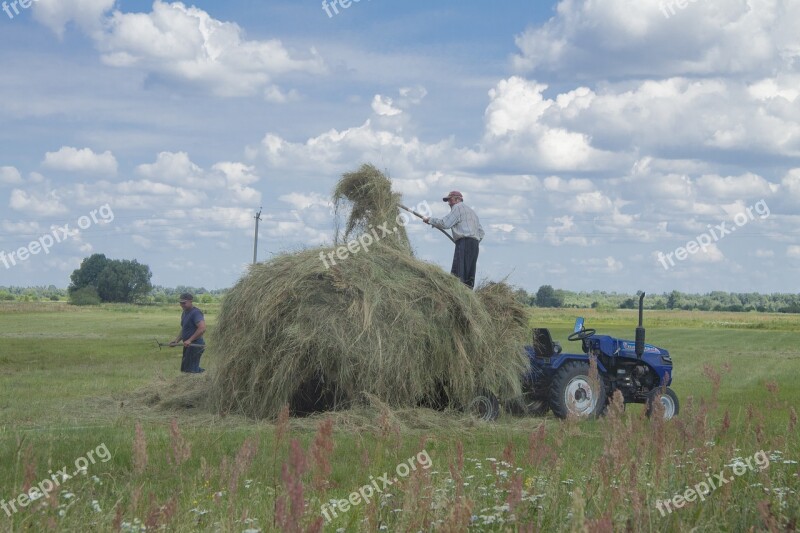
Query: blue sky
[{"x": 594, "y": 139}]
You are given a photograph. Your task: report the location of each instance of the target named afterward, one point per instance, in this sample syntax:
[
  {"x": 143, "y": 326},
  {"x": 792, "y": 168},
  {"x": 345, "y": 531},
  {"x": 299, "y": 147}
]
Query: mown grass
[{"x": 67, "y": 378}]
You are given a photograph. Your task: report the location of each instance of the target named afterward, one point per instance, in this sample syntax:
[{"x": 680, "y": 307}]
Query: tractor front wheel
[
  {"x": 573, "y": 391},
  {"x": 668, "y": 399}
]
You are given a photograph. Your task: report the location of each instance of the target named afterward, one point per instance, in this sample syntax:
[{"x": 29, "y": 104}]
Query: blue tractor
[{"x": 569, "y": 384}]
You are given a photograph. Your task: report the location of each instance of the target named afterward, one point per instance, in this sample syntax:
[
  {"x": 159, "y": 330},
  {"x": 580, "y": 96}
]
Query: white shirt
[{"x": 463, "y": 221}]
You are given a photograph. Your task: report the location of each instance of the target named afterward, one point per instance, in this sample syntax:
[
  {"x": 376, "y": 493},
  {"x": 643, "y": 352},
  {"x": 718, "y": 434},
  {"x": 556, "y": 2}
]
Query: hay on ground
[{"x": 320, "y": 335}]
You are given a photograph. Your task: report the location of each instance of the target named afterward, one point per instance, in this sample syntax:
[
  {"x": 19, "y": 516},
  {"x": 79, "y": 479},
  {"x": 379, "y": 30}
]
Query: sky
[{"x": 615, "y": 145}]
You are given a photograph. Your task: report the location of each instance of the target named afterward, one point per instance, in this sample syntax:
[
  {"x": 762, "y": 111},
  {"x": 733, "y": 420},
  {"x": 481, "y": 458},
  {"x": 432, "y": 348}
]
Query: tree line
[
  {"x": 547, "y": 296},
  {"x": 100, "y": 279}
]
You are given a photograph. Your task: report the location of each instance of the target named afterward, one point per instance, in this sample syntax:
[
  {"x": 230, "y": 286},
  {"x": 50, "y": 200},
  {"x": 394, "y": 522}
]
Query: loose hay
[{"x": 322, "y": 336}]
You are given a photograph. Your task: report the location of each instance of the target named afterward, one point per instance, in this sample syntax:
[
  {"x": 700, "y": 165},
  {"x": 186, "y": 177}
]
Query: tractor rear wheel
[
  {"x": 668, "y": 399},
  {"x": 573, "y": 391}
]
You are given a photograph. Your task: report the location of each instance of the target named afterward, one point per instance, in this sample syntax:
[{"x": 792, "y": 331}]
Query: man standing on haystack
[
  {"x": 193, "y": 325},
  {"x": 467, "y": 232}
]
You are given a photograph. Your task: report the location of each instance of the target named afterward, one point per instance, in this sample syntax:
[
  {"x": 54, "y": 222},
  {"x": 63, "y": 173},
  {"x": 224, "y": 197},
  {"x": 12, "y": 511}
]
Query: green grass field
[{"x": 68, "y": 398}]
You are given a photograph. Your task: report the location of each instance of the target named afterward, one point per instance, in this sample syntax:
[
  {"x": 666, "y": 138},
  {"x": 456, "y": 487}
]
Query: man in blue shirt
[
  {"x": 467, "y": 232},
  {"x": 193, "y": 325}
]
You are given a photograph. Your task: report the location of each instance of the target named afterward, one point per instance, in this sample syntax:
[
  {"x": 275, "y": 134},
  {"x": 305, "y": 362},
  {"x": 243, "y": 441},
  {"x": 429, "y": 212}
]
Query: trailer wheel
[
  {"x": 668, "y": 399},
  {"x": 484, "y": 406},
  {"x": 574, "y": 392}
]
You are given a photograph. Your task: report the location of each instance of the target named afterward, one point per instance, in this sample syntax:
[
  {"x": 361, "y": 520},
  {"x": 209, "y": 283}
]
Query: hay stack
[{"x": 380, "y": 322}]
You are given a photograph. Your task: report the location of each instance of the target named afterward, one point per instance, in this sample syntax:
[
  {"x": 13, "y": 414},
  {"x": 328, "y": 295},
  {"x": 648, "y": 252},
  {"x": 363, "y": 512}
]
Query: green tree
[
  {"x": 124, "y": 281},
  {"x": 522, "y": 296},
  {"x": 113, "y": 280},
  {"x": 674, "y": 300},
  {"x": 546, "y": 296},
  {"x": 87, "y": 274}
]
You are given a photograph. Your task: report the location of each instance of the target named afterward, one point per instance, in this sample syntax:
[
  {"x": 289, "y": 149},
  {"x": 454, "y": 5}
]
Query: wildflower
[{"x": 96, "y": 506}]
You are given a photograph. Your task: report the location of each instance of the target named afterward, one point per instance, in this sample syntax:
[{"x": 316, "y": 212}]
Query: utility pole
[{"x": 255, "y": 241}]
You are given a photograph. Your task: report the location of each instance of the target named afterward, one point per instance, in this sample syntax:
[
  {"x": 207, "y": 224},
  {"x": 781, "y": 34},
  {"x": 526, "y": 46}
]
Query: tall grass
[{"x": 181, "y": 470}]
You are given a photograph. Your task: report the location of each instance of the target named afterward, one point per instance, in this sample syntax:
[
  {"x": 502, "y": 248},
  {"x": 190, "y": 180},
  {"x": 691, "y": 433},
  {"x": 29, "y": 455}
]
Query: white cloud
[
  {"x": 793, "y": 251},
  {"x": 682, "y": 84},
  {"x": 36, "y": 203},
  {"x": 84, "y": 160},
  {"x": 10, "y": 176},
  {"x": 790, "y": 185},
  {"x": 56, "y": 14},
  {"x": 709, "y": 254},
  {"x": 173, "y": 167},
  {"x": 570, "y": 186},
  {"x": 141, "y": 241},
  {"x": 607, "y": 264},
  {"x": 335, "y": 151},
  {"x": 591, "y": 202},
  {"x": 383, "y": 106},
  {"x": 564, "y": 233},
  {"x": 519, "y": 127},
  {"x": 21, "y": 228},
  {"x": 306, "y": 200},
  {"x": 516, "y": 106},
  {"x": 613, "y": 38},
  {"x": 186, "y": 43},
  {"x": 237, "y": 173},
  {"x": 226, "y": 182},
  {"x": 780, "y": 87},
  {"x": 505, "y": 228},
  {"x": 223, "y": 217},
  {"x": 745, "y": 186},
  {"x": 276, "y": 95},
  {"x": 412, "y": 95}
]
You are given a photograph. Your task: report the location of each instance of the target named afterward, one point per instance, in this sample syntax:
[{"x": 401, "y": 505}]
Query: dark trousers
[
  {"x": 465, "y": 260},
  {"x": 191, "y": 359}
]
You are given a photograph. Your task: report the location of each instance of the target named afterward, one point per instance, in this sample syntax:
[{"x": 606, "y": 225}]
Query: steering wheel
[{"x": 582, "y": 334}]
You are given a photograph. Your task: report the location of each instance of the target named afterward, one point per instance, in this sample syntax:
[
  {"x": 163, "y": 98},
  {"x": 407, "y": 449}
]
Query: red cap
[{"x": 453, "y": 194}]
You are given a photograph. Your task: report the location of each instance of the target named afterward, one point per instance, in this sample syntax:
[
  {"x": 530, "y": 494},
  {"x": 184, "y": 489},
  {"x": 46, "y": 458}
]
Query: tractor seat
[{"x": 543, "y": 345}]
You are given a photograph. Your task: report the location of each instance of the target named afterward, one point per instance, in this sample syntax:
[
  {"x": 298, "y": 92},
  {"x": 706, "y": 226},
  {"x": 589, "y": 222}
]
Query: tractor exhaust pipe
[{"x": 640, "y": 328}]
